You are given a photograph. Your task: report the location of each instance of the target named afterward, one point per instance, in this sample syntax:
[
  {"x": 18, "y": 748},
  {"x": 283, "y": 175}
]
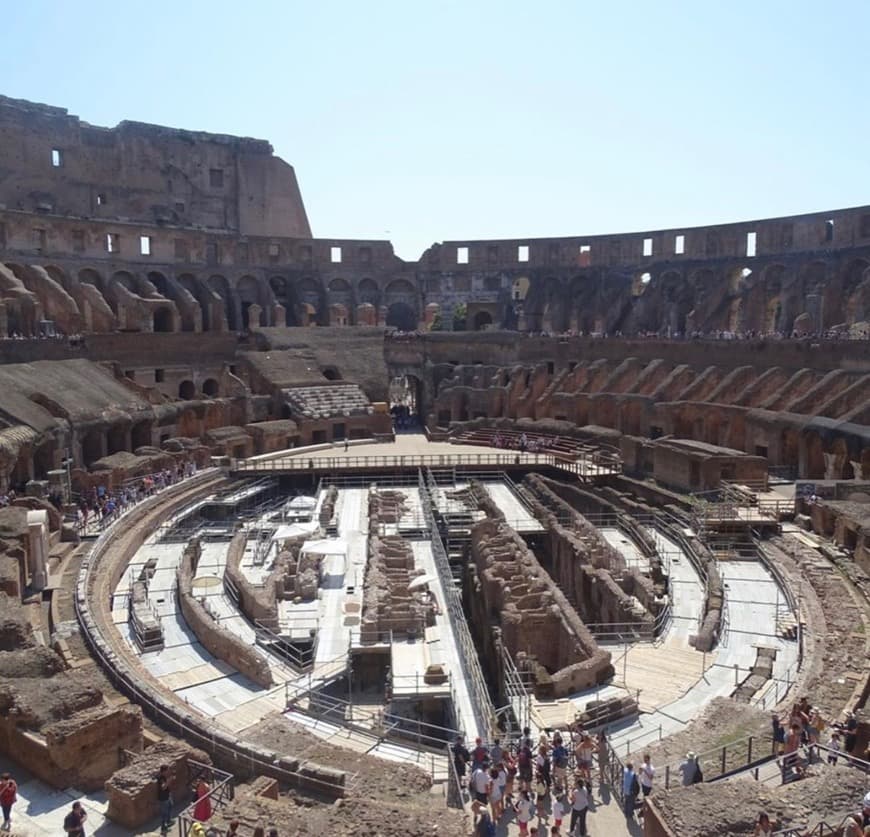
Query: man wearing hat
[{"x": 689, "y": 768}]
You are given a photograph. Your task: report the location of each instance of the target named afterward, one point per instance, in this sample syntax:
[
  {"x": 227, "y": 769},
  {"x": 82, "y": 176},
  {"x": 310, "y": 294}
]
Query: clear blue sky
[{"x": 424, "y": 121}]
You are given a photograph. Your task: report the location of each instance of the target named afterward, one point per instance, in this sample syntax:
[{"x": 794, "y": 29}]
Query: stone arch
[
  {"x": 813, "y": 280},
  {"x": 211, "y": 387},
  {"x": 482, "y": 319},
  {"x": 814, "y": 461},
  {"x": 93, "y": 445},
  {"x": 400, "y": 315},
  {"x": 340, "y": 292},
  {"x": 775, "y": 311},
  {"x": 251, "y": 291},
  {"x": 175, "y": 293},
  {"x": 60, "y": 276},
  {"x": 141, "y": 434},
  {"x": 368, "y": 292},
  {"x": 219, "y": 285},
  {"x": 856, "y": 291},
  {"x": 285, "y": 295},
  {"x": 203, "y": 298},
  {"x": 400, "y": 290},
  {"x": 163, "y": 320},
  {"x": 89, "y": 276},
  {"x": 309, "y": 292},
  {"x": 186, "y": 390}
]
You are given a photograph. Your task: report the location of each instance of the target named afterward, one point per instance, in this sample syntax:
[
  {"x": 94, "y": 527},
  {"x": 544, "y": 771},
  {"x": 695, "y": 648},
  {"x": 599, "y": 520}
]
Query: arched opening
[
  {"x": 406, "y": 402},
  {"x": 814, "y": 465},
  {"x": 331, "y": 373},
  {"x": 221, "y": 287},
  {"x": 286, "y": 297},
  {"x": 116, "y": 439},
  {"x": 186, "y": 390},
  {"x": 162, "y": 320},
  {"x": 309, "y": 293},
  {"x": 210, "y": 387},
  {"x": 482, "y": 320},
  {"x": 400, "y": 315},
  {"x": 368, "y": 292},
  {"x": 92, "y": 446},
  {"x": 141, "y": 435}
]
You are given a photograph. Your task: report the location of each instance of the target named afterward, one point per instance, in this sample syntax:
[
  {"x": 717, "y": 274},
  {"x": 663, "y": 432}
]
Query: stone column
[{"x": 37, "y": 547}]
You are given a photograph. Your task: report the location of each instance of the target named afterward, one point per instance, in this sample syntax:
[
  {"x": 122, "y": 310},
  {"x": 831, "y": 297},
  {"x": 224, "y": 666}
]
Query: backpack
[
  {"x": 525, "y": 757},
  {"x": 699, "y": 777},
  {"x": 71, "y": 822},
  {"x": 635, "y": 785}
]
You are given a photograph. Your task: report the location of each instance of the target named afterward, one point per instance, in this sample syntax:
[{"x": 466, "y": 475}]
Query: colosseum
[{"x": 359, "y": 545}]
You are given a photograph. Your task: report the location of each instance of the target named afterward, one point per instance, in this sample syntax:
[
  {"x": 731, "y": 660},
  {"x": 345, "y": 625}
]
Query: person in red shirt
[{"x": 8, "y": 797}]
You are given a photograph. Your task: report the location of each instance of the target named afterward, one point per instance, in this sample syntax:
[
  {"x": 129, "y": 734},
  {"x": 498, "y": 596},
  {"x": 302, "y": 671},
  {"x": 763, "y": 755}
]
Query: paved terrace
[{"x": 413, "y": 450}]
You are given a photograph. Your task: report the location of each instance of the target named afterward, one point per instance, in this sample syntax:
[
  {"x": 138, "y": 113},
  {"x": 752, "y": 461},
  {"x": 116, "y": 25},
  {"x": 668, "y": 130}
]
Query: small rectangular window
[
  {"x": 159, "y": 375},
  {"x": 679, "y": 245},
  {"x": 647, "y": 247},
  {"x": 182, "y": 251},
  {"x": 216, "y": 178},
  {"x": 461, "y": 255},
  {"x": 274, "y": 252},
  {"x": 56, "y": 157},
  {"x": 113, "y": 243},
  {"x": 78, "y": 241},
  {"x": 829, "y": 231},
  {"x": 212, "y": 254},
  {"x": 335, "y": 255},
  {"x": 101, "y": 199},
  {"x": 145, "y": 245},
  {"x": 39, "y": 239},
  {"x": 523, "y": 253},
  {"x": 492, "y": 254},
  {"x": 242, "y": 252},
  {"x": 750, "y": 244}
]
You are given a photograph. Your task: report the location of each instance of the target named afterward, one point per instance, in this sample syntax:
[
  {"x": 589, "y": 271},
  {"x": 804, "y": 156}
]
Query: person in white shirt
[
  {"x": 560, "y": 808},
  {"x": 647, "y": 774},
  {"x": 579, "y": 809},
  {"x": 523, "y": 810}
]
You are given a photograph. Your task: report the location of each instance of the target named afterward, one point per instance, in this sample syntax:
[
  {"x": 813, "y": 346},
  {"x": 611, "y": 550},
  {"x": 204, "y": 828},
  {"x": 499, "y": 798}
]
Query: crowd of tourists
[
  {"x": 547, "y": 785},
  {"x": 99, "y": 505}
]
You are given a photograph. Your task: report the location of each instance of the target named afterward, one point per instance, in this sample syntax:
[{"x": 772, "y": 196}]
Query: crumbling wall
[
  {"x": 132, "y": 790},
  {"x": 224, "y": 645},
  {"x": 388, "y": 604},
  {"x": 511, "y": 593}
]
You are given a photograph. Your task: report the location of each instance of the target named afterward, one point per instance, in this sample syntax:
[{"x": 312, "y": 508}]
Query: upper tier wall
[{"x": 51, "y": 161}]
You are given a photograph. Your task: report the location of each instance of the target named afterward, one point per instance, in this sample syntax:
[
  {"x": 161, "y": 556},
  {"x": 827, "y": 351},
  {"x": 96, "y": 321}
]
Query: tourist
[
  {"x": 791, "y": 759},
  {"x": 603, "y": 757},
  {"x": 461, "y": 757},
  {"x": 74, "y": 822},
  {"x": 479, "y": 755},
  {"x": 480, "y": 784},
  {"x": 690, "y": 769},
  {"x": 583, "y": 752},
  {"x": 851, "y": 733},
  {"x": 494, "y": 791},
  {"x": 560, "y": 763},
  {"x": 778, "y": 732},
  {"x": 647, "y": 774},
  {"x": 164, "y": 796},
  {"x": 560, "y": 808},
  {"x": 523, "y": 810},
  {"x": 8, "y": 797},
  {"x": 579, "y": 809},
  {"x": 630, "y": 789},
  {"x": 202, "y": 809},
  {"x": 233, "y": 830},
  {"x": 834, "y": 747},
  {"x": 481, "y": 822},
  {"x": 524, "y": 766},
  {"x": 542, "y": 772},
  {"x": 496, "y": 753},
  {"x": 273, "y": 832},
  {"x": 259, "y": 831},
  {"x": 763, "y": 826},
  {"x": 502, "y": 781}
]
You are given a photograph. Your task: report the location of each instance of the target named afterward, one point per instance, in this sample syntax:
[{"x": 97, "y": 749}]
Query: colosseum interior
[{"x": 290, "y": 514}]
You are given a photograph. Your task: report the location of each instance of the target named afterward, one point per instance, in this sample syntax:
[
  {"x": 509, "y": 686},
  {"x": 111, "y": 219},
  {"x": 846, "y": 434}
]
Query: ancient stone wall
[
  {"x": 514, "y": 601},
  {"x": 223, "y": 644}
]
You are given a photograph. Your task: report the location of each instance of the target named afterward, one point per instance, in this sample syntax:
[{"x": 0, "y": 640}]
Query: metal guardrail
[
  {"x": 201, "y": 732},
  {"x": 482, "y": 704}
]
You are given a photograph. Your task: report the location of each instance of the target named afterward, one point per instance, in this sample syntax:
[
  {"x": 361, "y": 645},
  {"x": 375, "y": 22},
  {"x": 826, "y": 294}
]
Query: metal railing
[
  {"x": 482, "y": 704},
  {"x": 720, "y": 762},
  {"x": 221, "y": 792}
]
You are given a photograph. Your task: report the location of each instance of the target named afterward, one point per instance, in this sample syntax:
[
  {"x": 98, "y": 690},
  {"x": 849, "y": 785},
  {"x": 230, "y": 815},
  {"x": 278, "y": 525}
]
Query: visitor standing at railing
[{"x": 630, "y": 789}]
